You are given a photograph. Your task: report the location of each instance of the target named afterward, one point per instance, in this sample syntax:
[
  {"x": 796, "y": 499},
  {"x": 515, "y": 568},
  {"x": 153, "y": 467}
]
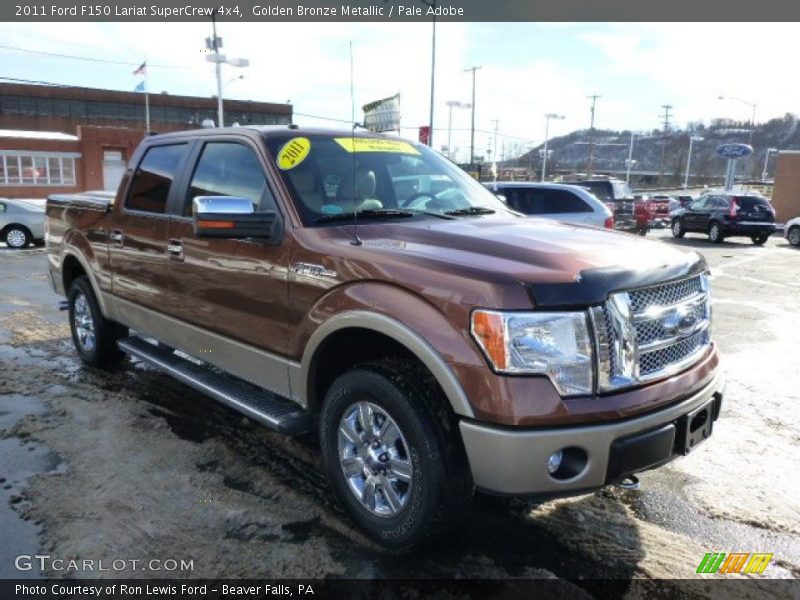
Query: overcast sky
[{"x": 528, "y": 69}]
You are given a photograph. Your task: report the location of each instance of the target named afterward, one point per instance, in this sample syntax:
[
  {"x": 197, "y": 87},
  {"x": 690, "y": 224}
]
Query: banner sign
[{"x": 383, "y": 115}]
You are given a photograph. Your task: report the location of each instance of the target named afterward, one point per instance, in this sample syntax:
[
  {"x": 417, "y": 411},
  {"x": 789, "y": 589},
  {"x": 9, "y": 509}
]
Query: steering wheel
[{"x": 414, "y": 201}]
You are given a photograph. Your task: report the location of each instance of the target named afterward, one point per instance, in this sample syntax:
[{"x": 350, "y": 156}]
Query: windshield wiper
[
  {"x": 370, "y": 213},
  {"x": 472, "y": 210},
  {"x": 432, "y": 213}
]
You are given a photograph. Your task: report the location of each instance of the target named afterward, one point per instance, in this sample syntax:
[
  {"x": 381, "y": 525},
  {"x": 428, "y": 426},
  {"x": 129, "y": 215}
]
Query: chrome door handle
[
  {"x": 175, "y": 249},
  {"x": 116, "y": 236}
]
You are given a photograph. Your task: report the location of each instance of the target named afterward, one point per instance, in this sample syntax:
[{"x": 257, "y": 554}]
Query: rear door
[
  {"x": 697, "y": 214},
  {"x": 138, "y": 229},
  {"x": 234, "y": 287},
  {"x": 753, "y": 209}
]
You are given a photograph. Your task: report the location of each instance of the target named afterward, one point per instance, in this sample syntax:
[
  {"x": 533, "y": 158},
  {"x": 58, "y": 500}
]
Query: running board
[{"x": 256, "y": 403}]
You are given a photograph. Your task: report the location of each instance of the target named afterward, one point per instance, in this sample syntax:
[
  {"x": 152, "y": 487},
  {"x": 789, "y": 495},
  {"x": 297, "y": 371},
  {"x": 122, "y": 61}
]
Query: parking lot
[{"x": 131, "y": 464}]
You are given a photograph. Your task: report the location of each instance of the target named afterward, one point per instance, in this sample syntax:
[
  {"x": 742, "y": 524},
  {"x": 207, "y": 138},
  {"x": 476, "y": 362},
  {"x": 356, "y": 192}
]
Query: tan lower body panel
[
  {"x": 509, "y": 461},
  {"x": 261, "y": 368}
]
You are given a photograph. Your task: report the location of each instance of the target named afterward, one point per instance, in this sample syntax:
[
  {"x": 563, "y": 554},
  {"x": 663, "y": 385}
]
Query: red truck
[{"x": 439, "y": 342}]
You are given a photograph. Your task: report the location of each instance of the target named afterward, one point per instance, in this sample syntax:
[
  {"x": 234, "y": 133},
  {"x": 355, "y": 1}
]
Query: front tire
[
  {"x": 392, "y": 453},
  {"x": 17, "y": 237},
  {"x": 794, "y": 236},
  {"x": 94, "y": 336},
  {"x": 678, "y": 230},
  {"x": 715, "y": 234}
]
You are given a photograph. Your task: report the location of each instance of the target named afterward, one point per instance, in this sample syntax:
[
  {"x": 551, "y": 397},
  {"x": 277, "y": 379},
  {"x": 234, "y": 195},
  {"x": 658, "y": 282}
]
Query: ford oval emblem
[{"x": 734, "y": 150}]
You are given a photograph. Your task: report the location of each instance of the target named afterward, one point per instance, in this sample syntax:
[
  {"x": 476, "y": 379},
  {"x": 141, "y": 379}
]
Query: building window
[{"x": 36, "y": 169}]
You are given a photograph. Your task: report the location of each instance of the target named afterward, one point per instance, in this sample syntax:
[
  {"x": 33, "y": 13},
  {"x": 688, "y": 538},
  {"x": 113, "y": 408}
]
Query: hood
[{"x": 537, "y": 252}]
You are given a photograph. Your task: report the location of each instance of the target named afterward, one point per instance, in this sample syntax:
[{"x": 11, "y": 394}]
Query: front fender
[{"x": 400, "y": 315}]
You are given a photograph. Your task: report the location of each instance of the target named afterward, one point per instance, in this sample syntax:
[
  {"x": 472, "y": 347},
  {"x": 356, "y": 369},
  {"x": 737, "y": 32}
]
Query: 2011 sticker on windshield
[
  {"x": 376, "y": 145},
  {"x": 293, "y": 152}
]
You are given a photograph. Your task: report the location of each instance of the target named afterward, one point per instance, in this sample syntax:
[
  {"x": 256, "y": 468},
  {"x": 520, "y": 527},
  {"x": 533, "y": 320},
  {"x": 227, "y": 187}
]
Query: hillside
[{"x": 570, "y": 152}]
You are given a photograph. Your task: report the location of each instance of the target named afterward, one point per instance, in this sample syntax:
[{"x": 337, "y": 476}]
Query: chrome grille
[
  {"x": 652, "y": 362},
  {"x": 651, "y": 332},
  {"x": 663, "y": 295}
]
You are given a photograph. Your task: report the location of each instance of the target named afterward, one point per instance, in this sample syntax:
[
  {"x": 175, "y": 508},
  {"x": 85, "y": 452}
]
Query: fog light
[{"x": 554, "y": 462}]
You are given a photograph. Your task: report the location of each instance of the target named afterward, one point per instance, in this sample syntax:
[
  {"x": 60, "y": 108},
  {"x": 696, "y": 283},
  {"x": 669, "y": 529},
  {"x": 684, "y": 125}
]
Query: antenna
[{"x": 356, "y": 241}]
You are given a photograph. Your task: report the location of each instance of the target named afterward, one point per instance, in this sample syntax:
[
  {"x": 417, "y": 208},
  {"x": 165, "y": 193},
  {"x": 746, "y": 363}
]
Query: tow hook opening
[{"x": 630, "y": 482}]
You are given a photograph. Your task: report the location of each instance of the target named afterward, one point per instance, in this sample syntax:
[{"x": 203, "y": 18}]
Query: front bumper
[{"x": 513, "y": 461}]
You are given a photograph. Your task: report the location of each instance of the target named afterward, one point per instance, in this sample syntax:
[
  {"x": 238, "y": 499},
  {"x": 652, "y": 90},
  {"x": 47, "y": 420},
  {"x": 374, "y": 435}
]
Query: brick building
[
  {"x": 786, "y": 193},
  {"x": 64, "y": 139}
]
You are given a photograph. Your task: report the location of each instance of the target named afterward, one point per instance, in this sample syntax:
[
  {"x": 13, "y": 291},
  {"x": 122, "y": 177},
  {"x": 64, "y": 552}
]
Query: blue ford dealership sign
[{"x": 734, "y": 150}]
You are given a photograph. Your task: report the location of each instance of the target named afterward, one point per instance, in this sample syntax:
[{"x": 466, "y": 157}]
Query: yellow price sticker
[
  {"x": 376, "y": 145},
  {"x": 293, "y": 152}
]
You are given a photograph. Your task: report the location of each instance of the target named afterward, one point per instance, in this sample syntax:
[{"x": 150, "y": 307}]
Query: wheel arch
[
  {"x": 72, "y": 267},
  {"x": 370, "y": 335}
]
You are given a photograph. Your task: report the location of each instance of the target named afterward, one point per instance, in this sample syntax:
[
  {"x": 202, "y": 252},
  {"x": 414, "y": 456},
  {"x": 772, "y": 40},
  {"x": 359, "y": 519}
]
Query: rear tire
[
  {"x": 760, "y": 239},
  {"x": 678, "y": 230},
  {"x": 794, "y": 235},
  {"x": 17, "y": 237},
  {"x": 424, "y": 486},
  {"x": 94, "y": 336},
  {"x": 715, "y": 234}
]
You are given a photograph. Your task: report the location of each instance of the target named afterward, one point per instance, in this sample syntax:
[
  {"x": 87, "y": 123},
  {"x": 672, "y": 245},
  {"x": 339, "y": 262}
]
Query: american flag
[{"x": 142, "y": 70}]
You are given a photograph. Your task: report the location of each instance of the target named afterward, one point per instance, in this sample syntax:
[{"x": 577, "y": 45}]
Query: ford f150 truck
[{"x": 439, "y": 341}]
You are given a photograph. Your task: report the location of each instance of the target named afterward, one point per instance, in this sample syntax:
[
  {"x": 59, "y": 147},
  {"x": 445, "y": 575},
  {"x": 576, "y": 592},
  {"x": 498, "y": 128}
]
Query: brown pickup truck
[{"x": 366, "y": 287}]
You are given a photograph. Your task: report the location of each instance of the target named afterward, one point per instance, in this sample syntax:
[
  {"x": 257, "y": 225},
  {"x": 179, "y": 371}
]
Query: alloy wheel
[
  {"x": 83, "y": 322},
  {"x": 375, "y": 459}
]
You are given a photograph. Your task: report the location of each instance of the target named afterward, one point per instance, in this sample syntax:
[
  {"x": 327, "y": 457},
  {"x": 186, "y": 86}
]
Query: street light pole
[
  {"x": 472, "y": 127},
  {"x": 692, "y": 140},
  {"x": 766, "y": 163},
  {"x": 547, "y": 118},
  {"x": 450, "y": 105},
  {"x": 630, "y": 160}
]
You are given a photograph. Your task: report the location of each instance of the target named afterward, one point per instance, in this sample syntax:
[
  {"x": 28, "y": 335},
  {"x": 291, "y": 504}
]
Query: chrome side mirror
[{"x": 231, "y": 217}]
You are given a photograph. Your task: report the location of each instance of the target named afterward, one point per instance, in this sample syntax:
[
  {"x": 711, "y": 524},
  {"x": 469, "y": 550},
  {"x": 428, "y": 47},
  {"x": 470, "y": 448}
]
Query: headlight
[{"x": 552, "y": 344}]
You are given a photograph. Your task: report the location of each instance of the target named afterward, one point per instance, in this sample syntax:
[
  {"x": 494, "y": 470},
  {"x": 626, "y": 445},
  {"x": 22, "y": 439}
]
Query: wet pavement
[{"x": 130, "y": 464}]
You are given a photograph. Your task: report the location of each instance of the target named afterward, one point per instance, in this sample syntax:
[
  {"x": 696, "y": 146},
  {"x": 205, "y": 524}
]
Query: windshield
[{"x": 330, "y": 175}]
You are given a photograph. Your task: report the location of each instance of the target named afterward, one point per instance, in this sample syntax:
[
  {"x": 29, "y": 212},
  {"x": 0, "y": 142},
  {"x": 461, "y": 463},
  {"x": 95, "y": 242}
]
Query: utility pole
[
  {"x": 593, "y": 98},
  {"x": 666, "y": 116},
  {"x": 216, "y": 43},
  {"x": 472, "y": 127},
  {"x": 494, "y": 144}
]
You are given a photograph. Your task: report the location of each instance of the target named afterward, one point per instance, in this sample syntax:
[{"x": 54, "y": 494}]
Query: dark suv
[{"x": 726, "y": 215}]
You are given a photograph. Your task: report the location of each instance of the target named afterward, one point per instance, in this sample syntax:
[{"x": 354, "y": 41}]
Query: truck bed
[{"x": 95, "y": 200}]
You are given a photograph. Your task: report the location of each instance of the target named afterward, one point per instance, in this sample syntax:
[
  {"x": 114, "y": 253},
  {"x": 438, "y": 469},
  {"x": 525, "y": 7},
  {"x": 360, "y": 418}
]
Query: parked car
[
  {"x": 792, "y": 231},
  {"x": 659, "y": 208},
  {"x": 617, "y": 195},
  {"x": 21, "y": 223},
  {"x": 567, "y": 203},
  {"x": 436, "y": 341},
  {"x": 684, "y": 201},
  {"x": 726, "y": 215}
]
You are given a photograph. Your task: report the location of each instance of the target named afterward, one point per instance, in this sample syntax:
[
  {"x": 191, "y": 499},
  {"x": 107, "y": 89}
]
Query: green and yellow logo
[{"x": 734, "y": 562}]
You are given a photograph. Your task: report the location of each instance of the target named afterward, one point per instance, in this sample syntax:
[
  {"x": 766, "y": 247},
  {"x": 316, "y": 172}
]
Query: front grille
[
  {"x": 652, "y": 332},
  {"x": 664, "y": 295},
  {"x": 652, "y": 362}
]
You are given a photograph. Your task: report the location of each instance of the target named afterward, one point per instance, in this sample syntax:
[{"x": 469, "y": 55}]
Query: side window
[
  {"x": 532, "y": 201},
  {"x": 230, "y": 169},
  {"x": 699, "y": 204},
  {"x": 562, "y": 201},
  {"x": 152, "y": 180},
  {"x": 720, "y": 202}
]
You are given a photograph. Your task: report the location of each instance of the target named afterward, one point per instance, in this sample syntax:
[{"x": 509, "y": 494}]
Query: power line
[{"x": 93, "y": 59}]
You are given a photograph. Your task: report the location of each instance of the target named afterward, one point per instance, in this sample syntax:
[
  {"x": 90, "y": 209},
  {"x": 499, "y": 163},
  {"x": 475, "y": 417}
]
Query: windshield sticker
[
  {"x": 376, "y": 145},
  {"x": 293, "y": 153}
]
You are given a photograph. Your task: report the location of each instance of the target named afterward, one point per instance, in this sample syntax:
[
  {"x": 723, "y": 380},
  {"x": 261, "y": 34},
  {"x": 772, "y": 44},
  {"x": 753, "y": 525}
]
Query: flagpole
[{"x": 146, "y": 100}]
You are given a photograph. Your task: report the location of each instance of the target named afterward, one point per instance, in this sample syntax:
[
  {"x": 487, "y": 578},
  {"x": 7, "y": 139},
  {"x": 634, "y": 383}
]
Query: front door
[{"x": 236, "y": 288}]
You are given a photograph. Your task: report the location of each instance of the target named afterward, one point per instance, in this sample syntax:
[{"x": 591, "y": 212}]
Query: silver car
[
  {"x": 792, "y": 231},
  {"x": 559, "y": 201},
  {"x": 21, "y": 223}
]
